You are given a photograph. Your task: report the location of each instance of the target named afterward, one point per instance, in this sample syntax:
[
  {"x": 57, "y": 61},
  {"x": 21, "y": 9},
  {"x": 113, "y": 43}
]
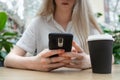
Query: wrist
[
  {"x": 86, "y": 63},
  {"x": 30, "y": 63}
]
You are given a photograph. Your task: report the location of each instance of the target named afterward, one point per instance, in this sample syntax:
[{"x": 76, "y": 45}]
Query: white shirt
[{"x": 35, "y": 36}]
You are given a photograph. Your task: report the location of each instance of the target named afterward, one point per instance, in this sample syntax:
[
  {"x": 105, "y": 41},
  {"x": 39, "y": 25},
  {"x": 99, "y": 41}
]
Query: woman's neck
[{"x": 62, "y": 17}]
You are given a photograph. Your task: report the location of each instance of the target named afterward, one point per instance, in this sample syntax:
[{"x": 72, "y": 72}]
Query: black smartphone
[{"x": 60, "y": 41}]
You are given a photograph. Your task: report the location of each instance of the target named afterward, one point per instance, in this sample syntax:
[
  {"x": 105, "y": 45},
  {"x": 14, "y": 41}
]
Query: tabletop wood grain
[{"x": 59, "y": 74}]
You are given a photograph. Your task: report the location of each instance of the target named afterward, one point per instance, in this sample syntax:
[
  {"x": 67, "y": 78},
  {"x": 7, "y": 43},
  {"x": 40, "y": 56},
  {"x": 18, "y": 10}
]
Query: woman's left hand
[{"x": 77, "y": 58}]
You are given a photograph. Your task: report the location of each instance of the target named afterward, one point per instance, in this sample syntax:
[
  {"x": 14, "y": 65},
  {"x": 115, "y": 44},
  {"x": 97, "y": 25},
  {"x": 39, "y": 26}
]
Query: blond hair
[{"x": 82, "y": 18}]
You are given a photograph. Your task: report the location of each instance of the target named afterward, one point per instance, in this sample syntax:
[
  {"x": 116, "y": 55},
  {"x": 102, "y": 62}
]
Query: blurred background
[{"x": 20, "y": 12}]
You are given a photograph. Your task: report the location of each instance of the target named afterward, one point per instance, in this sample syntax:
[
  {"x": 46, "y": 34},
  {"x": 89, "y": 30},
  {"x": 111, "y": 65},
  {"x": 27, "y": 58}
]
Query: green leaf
[
  {"x": 9, "y": 34},
  {"x": 7, "y": 46},
  {"x": 117, "y": 58},
  {"x": 99, "y": 14},
  {"x": 119, "y": 18},
  {"x": 0, "y": 46},
  {"x": 3, "y": 54},
  {"x": 3, "y": 19},
  {"x": 116, "y": 31}
]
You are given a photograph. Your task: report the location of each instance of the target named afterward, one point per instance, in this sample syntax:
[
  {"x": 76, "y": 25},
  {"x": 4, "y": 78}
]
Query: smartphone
[{"x": 60, "y": 41}]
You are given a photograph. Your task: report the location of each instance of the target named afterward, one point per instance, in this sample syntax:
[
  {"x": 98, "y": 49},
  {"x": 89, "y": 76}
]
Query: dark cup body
[{"x": 101, "y": 55}]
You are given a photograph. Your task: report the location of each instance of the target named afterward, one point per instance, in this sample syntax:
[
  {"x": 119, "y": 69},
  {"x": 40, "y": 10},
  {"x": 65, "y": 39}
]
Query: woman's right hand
[{"x": 43, "y": 61}]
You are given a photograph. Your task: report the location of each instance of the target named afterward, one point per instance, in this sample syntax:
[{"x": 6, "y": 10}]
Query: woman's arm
[
  {"x": 42, "y": 62},
  {"x": 16, "y": 59}
]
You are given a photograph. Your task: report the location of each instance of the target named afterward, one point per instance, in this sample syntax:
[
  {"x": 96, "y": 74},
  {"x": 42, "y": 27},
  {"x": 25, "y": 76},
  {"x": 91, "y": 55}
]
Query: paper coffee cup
[{"x": 101, "y": 48}]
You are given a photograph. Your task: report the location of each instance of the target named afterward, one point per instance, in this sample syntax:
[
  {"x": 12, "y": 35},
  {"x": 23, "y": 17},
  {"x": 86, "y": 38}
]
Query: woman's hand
[
  {"x": 77, "y": 58},
  {"x": 44, "y": 62}
]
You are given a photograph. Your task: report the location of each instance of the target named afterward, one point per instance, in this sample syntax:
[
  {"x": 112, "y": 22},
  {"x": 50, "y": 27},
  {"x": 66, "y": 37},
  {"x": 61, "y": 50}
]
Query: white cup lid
[{"x": 100, "y": 37}]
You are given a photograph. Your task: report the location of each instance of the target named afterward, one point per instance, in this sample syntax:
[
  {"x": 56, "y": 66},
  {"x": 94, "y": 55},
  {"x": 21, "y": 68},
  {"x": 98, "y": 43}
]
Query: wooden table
[{"x": 59, "y": 74}]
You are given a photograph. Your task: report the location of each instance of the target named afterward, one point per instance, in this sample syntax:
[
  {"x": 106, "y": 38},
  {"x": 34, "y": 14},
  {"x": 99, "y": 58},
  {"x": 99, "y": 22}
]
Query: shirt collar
[{"x": 51, "y": 19}]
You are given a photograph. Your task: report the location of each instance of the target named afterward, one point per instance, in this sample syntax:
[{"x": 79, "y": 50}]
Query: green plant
[
  {"x": 116, "y": 44},
  {"x": 116, "y": 47},
  {"x": 116, "y": 35},
  {"x": 5, "y": 37}
]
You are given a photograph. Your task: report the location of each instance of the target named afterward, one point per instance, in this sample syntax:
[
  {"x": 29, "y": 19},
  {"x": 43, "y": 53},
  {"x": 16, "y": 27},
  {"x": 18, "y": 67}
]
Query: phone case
[{"x": 60, "y": 41}]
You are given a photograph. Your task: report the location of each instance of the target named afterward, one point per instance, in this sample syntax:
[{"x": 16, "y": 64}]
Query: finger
[
  {"x": 52, "y": 60},
  {"x": 67, "y": 61},
  {"x": 76, "y": 46},
  {"x": 73, "y": 49},
  {"x": 73, "y": 66},
  {"x": 72, "y": 55},
  {"x": 56, "y": 65},
  {"x": 53, "y": 52},
  {"x": 80, "y": 66},
  {"x": 46, "y": 61},
  {"x": 57, "y": 59}
]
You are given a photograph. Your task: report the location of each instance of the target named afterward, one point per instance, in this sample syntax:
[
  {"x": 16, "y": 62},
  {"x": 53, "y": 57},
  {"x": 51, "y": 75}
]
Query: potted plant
[
  {"x": 5, "y": 37},
  {"x": 116, "y": 46},
  {"x": 116, "y": 43},
  {"x": 116, "y": 35}
]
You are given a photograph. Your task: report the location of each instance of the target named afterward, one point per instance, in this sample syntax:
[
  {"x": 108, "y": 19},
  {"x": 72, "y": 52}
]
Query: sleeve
[{"x": 28, "y": 39}]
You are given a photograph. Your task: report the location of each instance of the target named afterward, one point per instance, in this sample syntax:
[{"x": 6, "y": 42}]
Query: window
[
  {"x": 20, "y": 9},
  {"x": 112, "y": 12}
]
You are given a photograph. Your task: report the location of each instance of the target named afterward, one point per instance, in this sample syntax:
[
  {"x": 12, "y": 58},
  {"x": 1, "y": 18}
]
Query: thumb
[{"x": 76, "y": 46}]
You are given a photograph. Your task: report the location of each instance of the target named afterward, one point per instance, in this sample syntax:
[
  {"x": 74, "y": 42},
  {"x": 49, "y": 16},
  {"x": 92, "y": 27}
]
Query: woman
[{"x": 61, "y": 16}]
